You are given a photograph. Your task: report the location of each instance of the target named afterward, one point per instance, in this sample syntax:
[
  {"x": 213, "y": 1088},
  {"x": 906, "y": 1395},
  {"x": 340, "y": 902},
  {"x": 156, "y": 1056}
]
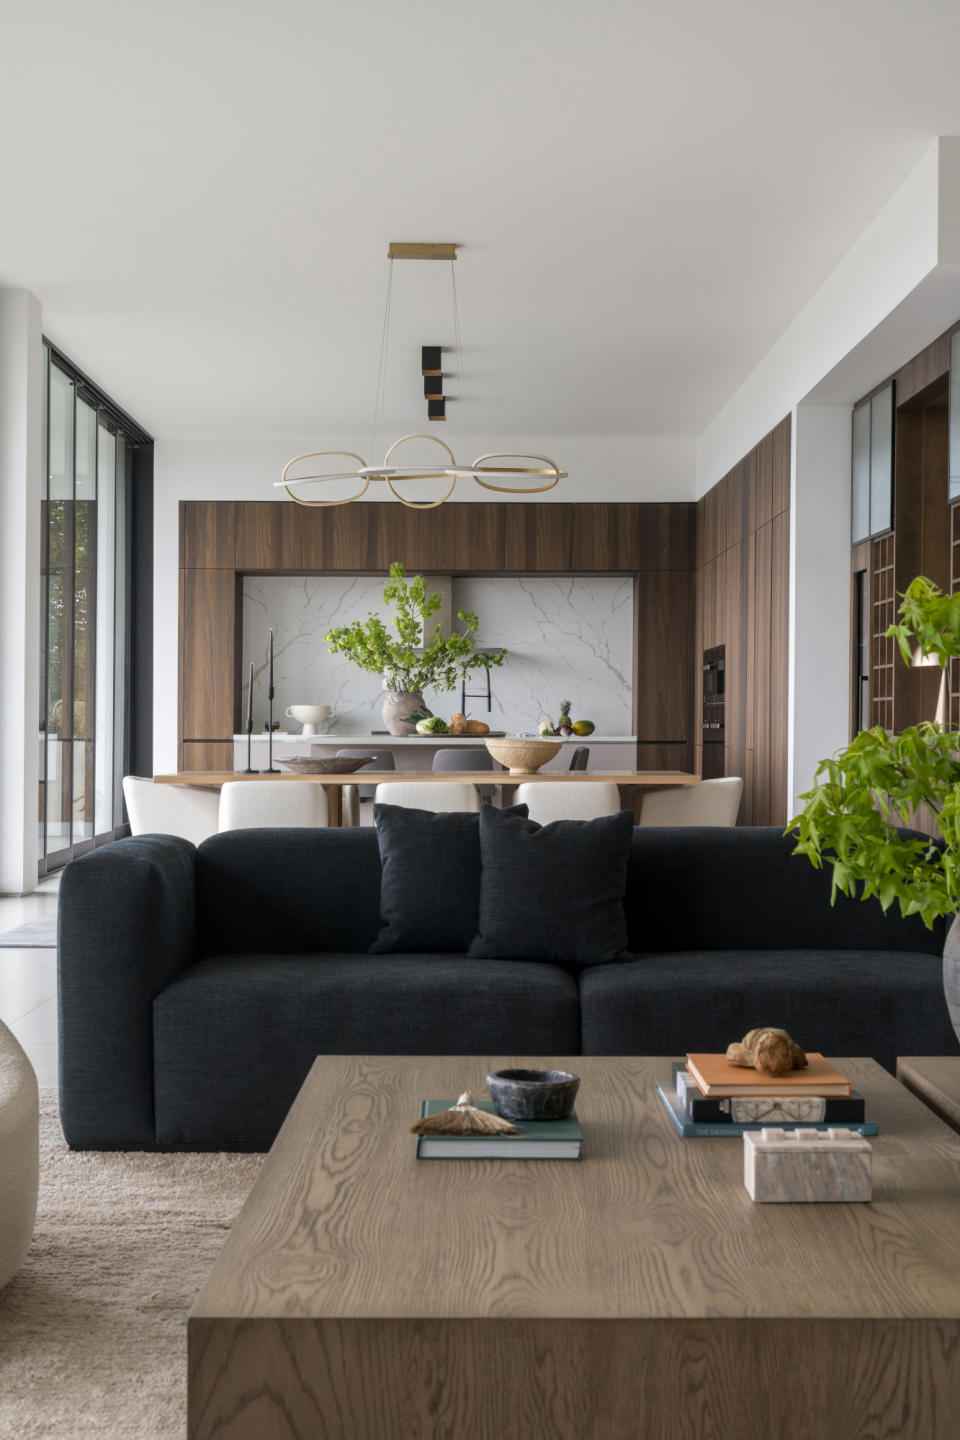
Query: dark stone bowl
[{"x": 533, "y": 1094}]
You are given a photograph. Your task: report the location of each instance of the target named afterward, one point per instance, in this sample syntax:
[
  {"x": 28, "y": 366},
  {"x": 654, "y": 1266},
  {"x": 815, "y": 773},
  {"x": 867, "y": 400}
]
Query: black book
[{"x": 702, "y": 1110}]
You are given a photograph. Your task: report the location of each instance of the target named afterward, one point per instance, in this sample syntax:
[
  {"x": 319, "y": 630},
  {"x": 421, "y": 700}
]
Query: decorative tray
[{"x": 305, "y": 765}]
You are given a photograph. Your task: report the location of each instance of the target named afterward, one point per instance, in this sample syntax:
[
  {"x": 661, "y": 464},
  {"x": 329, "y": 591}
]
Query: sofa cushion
[
  {"x": 851, "y": 1002},
  {"x": 235, "y": 1035},
  {"x": 430, "y": 878},
  {"x": 287, "y": 892},
  {"x": 742, "y": 888}
]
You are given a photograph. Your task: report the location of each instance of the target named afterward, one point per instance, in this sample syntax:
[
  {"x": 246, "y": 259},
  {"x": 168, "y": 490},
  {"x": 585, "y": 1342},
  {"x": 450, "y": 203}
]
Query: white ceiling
[{"x": 201, "y": 195}]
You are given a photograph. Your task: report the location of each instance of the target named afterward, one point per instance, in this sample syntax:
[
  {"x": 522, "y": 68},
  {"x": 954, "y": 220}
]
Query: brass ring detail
[{"x": 303, "y": 479}]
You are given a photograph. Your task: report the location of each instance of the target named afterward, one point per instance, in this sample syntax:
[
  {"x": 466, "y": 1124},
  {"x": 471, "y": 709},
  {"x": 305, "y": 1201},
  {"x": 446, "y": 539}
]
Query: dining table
[{"x": 629, "y": 782}]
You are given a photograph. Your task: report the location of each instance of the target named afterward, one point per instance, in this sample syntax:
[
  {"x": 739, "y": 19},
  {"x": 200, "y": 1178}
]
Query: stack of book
[
  {"x": 534, "y": 1140},
  {"x": 709, "y": 1096}
]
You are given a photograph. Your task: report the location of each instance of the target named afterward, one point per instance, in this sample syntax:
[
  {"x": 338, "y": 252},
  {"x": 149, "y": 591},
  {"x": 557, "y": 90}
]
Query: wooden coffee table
[{"x": 365, "y": 1295}]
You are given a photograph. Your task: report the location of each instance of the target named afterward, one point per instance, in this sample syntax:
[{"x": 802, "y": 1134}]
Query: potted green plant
[
  {"x": 861, "y": 796},
  {"x": 412, "y": 657}
]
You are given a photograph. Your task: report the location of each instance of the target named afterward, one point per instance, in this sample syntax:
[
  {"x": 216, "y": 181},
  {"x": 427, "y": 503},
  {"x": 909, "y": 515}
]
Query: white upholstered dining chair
[
  {"x": 428, "y": 795},
  {"x": 548, "y": 800},
  {"x": 246, "y": 805},
  {"x": 181, "y": 810},
  {"x": 712, "y": 802}
]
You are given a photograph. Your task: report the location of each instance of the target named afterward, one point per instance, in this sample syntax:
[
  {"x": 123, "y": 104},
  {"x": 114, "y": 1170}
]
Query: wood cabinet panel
[
  {"x": 781, "y": 437},
  {"x": 209, "y": 654},
  {"x": 269, "y": 534},
  {"x": 206, "y": 755},
  {"x": 538, "y": 538},
  {"x": 779, "y": 645},
  {"x": 929, "y": 365},
  {"x": 368, "y": 538},
  {"x": 470, "y": 537},
  {"x": 664, "y": 683},
  {"x": 207, "y": 534},
  {"x": 607, "y": 537},
  {"x": 667, "y": 536}
]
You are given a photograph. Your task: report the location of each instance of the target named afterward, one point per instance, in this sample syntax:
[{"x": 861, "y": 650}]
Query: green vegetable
[{"x": 433, "y": 726}]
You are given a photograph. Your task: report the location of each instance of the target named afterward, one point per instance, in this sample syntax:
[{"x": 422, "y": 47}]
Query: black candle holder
[
  {"x": 271, "y": 768},
  {"x": 249, "y": 770}
]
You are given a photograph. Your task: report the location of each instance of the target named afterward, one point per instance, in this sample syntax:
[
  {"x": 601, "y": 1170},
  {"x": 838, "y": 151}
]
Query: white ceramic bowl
[{"x": 309, "y": 716}]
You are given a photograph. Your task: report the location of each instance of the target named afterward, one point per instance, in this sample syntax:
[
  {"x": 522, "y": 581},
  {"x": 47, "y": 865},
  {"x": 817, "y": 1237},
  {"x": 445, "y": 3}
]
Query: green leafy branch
[
  {"x": 411, "y": 658},
  {"x": 880, "y": 781}
]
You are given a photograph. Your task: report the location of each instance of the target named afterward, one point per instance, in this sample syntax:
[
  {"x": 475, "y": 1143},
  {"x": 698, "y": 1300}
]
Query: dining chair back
[
  {"x": 467, "y": 757},
  {"x": 548, "y": 800},
  {"x": 248, "y": 804},
  {"x": 580, "y": 757},
  {"x": 380, "y": 760},
  {"x": 191, "y": 813},
  {"x": 712, "y": 802},
  {"x": 433, "y": 795}
]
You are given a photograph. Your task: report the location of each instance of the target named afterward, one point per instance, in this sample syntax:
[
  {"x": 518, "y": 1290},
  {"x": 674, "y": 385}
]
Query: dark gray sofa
[{"x": 197, "y": 985}]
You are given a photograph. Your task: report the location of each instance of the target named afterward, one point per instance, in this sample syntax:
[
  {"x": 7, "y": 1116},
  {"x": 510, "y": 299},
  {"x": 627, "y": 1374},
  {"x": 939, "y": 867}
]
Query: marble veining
[
  {"x": 790, "y": 1166},
  {"x": 568, "y": 637}
]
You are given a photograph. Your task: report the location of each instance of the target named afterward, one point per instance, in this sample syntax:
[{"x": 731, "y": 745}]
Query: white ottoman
[{"x": 19, "y": 1153}]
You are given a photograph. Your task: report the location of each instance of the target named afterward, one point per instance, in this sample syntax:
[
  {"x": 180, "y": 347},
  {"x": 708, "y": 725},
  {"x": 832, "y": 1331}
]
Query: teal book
[
  {"x": 534, "y": 1140},
  {"x": 688, "y": 1128}
]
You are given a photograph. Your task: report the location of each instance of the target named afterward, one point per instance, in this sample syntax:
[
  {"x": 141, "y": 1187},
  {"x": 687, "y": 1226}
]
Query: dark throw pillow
[
  {"x": 552, "y": 892},
  {"x": 430, "y": 878}
]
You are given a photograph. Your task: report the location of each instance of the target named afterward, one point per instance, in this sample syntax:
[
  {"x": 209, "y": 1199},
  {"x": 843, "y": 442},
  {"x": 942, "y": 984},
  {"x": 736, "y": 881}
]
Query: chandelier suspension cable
[{"x": 464, "y": 427}]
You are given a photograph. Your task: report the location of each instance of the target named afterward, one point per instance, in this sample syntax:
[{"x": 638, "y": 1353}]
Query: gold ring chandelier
[{"x": 533, "y": 478}]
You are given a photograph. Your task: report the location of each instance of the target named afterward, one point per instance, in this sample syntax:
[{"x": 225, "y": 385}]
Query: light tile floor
[{"x": 28, "y": 981}]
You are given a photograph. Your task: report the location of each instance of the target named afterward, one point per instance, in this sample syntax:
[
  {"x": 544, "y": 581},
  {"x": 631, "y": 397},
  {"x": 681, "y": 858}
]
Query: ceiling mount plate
[{"x": 399, "y": 250}]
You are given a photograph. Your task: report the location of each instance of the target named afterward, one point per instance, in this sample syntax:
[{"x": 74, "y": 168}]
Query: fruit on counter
[
  {"x": 477, "y": 727},
  {"x": 565, "y": 724},
  {"x": 458, "y": 723},
  {"x": 433, "y": 725},
  {"x": 583, "y": 727},
  {"x": 545, "y": 728}
]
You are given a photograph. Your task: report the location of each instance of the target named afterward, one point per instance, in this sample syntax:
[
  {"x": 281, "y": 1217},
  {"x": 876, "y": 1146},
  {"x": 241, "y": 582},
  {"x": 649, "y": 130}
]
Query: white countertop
[{"x": 284, "y": 737}]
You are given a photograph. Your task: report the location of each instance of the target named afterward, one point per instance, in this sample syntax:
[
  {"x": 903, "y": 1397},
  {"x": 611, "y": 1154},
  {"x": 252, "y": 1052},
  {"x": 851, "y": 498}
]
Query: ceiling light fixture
[{"x": 484, "y": 471}]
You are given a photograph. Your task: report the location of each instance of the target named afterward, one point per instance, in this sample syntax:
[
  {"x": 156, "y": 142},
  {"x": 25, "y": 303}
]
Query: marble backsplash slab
[{"x": 566, "y": 637}]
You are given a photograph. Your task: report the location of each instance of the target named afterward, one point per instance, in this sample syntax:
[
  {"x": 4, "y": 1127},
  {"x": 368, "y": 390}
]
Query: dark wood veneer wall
[
  {"x": 743, "y": 558},
  {"x": 220, "y": 541}
]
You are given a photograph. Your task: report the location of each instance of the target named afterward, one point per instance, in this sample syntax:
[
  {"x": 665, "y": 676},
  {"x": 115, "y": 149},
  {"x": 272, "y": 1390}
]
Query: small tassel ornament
[{"x": 463, "y": 1119}]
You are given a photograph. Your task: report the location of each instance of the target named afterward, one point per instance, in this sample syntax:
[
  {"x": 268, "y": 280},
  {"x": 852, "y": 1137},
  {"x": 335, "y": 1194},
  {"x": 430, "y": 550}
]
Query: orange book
[{"x": 718, "y": 1078}]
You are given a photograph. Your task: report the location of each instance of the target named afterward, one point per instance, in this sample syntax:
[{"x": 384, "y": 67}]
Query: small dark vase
[{"x": 951, "y": 972}]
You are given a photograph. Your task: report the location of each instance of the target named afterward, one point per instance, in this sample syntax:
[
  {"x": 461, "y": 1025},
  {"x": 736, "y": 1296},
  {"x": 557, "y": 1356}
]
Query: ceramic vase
[
  {"x": 397, "y": 705},
  {"x": 951, "y": 972}
]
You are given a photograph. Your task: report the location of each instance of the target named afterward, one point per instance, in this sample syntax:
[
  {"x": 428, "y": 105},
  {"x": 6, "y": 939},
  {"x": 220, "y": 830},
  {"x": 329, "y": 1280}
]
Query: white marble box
[{"x": 789, "y": 1166}]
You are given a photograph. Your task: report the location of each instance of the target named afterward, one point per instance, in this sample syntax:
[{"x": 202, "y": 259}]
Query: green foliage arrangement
[
  {"x": 412, "y": 658},
  {"x": 879, "y": 781}
]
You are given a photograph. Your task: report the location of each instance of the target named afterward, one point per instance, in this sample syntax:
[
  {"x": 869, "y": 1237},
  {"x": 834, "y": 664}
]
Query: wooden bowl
[
  {"x": 523, "y": 757},
  {"x": 305, "y": 765}
]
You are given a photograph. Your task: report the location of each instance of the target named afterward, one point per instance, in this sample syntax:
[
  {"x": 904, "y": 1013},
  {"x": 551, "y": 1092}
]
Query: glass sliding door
[{"x": 84, "y": 681}]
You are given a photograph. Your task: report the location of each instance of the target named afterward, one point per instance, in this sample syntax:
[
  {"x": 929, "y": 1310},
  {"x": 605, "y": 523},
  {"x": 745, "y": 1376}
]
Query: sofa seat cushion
[
  {"x": 841, "y": 1002},
  {"x": 235, "y": 1035}
]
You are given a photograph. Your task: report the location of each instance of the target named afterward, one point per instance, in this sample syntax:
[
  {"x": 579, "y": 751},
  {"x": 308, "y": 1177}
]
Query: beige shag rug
[{"x": 93, "y": 1329}]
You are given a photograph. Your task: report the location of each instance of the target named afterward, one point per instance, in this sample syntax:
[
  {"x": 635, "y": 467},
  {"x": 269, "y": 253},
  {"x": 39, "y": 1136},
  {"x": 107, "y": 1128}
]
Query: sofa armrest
[{"x": 126, "y": 928}]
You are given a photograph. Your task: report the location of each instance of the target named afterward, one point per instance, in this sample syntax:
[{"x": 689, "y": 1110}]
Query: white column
[
  {"x": 819, "y": 669},
  {"x": 21, "y": 478}
]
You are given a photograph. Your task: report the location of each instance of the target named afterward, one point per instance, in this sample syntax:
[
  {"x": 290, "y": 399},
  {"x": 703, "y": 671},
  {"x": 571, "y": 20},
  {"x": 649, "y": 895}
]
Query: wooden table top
[
  {"x": 345, "y": 1223},
  {"x": 213, "y": 779},
  {"x": 935, "y": 1079}
]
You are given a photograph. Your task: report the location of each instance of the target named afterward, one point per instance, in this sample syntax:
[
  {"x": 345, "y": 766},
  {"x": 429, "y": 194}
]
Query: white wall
[
  {"x": 615, "y": 468},
  {"x": 21, "y": 474}
]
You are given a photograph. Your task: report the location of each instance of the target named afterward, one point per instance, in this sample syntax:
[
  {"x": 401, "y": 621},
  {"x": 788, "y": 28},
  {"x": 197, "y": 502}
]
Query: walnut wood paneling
[
  {"x": 207, "y": 534},
  {"x": 922, "y": 369},
  {"x": 206, "y": 755},
  {"x": 209, "y": 651},
  {"x": 743, "y": 528},
  {"x": 470, "y": 537},
  {"x": 606, "y": 538},
  {"x": 269, "y": 535},
  {"x": 366, "y": 537},
  {"x": 667, "y": 537},
  {"x": 538, "y": 538},
  {"x": 664, "y": 628}
]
